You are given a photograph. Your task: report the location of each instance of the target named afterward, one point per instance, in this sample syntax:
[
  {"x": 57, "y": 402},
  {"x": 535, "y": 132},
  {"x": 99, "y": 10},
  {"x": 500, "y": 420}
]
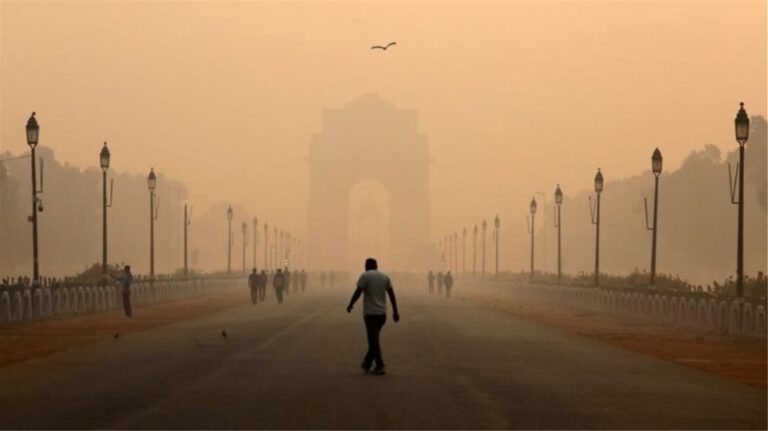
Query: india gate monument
[{"x": 369, "y": 187}]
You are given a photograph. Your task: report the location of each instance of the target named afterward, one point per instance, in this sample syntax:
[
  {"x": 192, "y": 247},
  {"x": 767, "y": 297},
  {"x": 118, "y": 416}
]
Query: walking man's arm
[
  {"x": 355, "y": 297},
  {"x": 391, "y": 294}
]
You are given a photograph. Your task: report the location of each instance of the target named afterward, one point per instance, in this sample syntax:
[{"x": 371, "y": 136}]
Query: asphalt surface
[{"x": 451, "y": 364}]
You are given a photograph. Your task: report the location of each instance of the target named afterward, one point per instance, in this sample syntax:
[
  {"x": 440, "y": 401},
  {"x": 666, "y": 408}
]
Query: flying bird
[{"x": 385, "y": 47}]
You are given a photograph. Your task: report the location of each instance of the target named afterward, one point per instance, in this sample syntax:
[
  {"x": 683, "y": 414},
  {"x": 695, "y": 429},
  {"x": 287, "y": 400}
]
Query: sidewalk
[
  {"x": 25, "y": 341},
  {"x": 738, "y": 358}
]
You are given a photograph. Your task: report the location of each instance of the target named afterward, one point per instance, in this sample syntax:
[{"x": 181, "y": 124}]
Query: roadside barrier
[
  {"x": 722, "y": 316},
  {"x": 5, "y": 308},
  {"x": 25, "y": 304}
]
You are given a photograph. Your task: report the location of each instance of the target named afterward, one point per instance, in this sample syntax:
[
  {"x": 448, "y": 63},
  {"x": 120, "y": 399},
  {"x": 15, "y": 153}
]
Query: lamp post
[
  {"x": 153, "y": 213},
  {"x": 532, "y": 229},
  {"x": 496, "y": 225},
  {"x": 474, "y": 251},
  {"x": 33, "y": 133},
  {"x": 440, "y": 254},
  {"x": 741, "y": 126},
  {"x": 558, "y": 224},
  {"x": 275, "y": 244},
  {"x": 187, "y": 222},
  {"x": 230, "y": 214},
  {"x": 266, "y": 245},
  {"x": 288, "y": 249},
  {"x": 452, "y": 251},
  {"x": 656, "y": 161},
  {"x": 244, "y": 228},
  {"x": 543, "y": 230},
  {"x": 255, "y": 239},
  {"x": 485, "y": 228},
  {"x": 455, "y": 252},
  {"x": 464, "y": 251},
  {"x": 595, "y": 214},
  {"x": 104, "y": 157}
]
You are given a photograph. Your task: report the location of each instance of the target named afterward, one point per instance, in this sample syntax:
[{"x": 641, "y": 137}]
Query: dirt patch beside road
[
  {"x": 46, "y": 337},
  {"x": 738, "y": 358}
]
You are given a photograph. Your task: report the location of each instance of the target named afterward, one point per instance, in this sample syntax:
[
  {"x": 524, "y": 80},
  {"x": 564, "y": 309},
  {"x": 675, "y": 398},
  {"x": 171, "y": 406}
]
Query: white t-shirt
[{"x": 374, "y": 285}]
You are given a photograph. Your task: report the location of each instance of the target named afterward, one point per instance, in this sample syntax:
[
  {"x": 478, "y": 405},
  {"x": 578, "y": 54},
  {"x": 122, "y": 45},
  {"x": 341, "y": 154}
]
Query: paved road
[{"x": 451, "y": 364}]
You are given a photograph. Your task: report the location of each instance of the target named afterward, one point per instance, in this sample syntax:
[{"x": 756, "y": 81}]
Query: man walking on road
[
  {"x": 303, "y": 280},
  {"x": 448, "y": 280},
  {"x": 253, "y": 284},
  {"x": 431, "y": 281},
  {"x": 440, "y": 283},
  {"x": 375, "y": 286},
  {"x": 263, "y": 285},
  {"x": 278, "y": 282},
  {"x": 125, "y": 282}
]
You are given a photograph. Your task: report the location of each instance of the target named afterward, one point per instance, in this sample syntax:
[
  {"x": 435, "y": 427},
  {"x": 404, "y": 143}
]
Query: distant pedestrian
[
  {"x": 448, "y": 280},
  {"x": 125, "y": 282},
  {"x": 375, "y": 286},
  {"x": 303, "y": 280},
  {"x": 440, "y": 280},
  {"x": 331, "y": 278},
  {"x": 263, "y": 278},
  {"x": 431, "y": 281},
  {"x": 322, "y": 279},
  {"x": 295, "y": 279},
  {"x": 253, "y": 285},
  {"x": 287, "y": 275},
  {"x": 278, "y": 282}
]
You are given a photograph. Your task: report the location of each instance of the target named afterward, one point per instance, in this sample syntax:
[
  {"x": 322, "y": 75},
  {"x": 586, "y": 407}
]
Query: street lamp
[
  {"x": 595, "y": 215},
  {"x": 230, "y": 214},
  {"x": 33, "y": 134},
  {"x": 455, "y": 252},
  {"x": 275, "y": 244},
  {"x": 474, "y": 251},
  {"x": 656, "y": 161},
  {"x": 558, "y": 224},
  {"x": 187, "y": 222},
  {"x": 255, "y": 239},
  {"x": 741, "y": 125},
  {"x": 266, "y": 244},
  {"x": 496, "y": 225},
  {"x": 485, "y": 228},
  {"x": 104, "y": 157},
  {"x": 153, "y": 213},
  {"x": 244, "y": 228},
  {"x": 531, "y": 229},
  {"x": 464, "y": 251}
]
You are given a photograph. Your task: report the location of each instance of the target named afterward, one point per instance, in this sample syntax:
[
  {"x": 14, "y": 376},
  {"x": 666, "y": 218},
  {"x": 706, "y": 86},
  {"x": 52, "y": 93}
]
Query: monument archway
[{"x": 369, "y": 139}]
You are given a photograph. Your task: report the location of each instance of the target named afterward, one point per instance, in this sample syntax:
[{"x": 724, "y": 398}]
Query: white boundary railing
[
  {"x": 722, "y": 316},
  {"x": 19, "y": 305}
]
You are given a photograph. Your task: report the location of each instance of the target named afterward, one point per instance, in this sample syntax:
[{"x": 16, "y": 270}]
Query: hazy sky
[{"x": 514, "y": 96}]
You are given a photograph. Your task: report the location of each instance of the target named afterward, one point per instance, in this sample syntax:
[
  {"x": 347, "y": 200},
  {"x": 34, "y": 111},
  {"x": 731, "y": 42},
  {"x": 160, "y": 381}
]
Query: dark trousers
[
  {"x": 127, "y": 303},
  {"x": 373, "y": 325},
  {"x": 279, "y": 294},
  {"x": 262, "y": 292},
  {"x": 254, "y": 295}
]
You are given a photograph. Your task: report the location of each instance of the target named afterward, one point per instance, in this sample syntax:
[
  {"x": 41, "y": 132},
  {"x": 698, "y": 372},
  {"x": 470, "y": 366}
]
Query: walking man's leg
[
  {"x": 380, "y": 320},
  {"x": 373, "y": 325}
]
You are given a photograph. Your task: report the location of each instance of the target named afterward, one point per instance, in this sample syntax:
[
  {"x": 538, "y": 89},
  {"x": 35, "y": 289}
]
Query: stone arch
[{"x": 365, "y": 140}]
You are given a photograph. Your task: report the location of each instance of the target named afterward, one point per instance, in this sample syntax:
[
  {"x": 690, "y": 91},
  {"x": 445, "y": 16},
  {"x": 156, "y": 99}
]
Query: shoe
[
  {"x": 366, "y": 368},
  {"x": 379, "y": 371}
]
